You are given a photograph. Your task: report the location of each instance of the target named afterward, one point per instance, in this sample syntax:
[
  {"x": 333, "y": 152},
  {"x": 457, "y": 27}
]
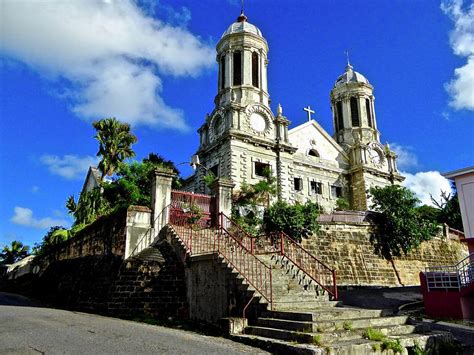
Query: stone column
[
  {"x": 222, "y": 189},
  {"x": 161, "y": 197}
]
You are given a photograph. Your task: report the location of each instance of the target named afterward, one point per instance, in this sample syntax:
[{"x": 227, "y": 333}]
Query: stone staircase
[{"x": 304, "y": 320}]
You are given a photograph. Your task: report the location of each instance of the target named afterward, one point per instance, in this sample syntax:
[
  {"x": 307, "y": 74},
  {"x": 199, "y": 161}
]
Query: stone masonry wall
[
  {"x": 347, "y": 248},
  {"x": 109, "y": 285}
]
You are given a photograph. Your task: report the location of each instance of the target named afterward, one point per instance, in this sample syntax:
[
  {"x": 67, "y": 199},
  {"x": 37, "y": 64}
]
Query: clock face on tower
[
  {"x": 257, "y": 122},
  {"x": 375, "y": 156}
]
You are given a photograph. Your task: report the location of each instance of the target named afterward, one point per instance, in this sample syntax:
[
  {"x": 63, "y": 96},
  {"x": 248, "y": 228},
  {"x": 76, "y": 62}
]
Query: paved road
[{"x": 32, "y": 330}]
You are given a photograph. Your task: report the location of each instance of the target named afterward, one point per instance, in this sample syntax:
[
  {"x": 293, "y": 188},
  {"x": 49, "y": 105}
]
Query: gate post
[
  {"x": 222, "y": 189},
  {"x": 161, "y": 197}
]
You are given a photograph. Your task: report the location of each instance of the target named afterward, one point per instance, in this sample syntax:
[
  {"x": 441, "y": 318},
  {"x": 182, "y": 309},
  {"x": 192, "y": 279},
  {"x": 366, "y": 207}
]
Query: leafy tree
[
  {"x": 342, "y": 204},
  {"x": 115, "y": 141},
  {"x": 400, "y": 226},
  {"x": 449, "y": 210},
  {"x": 55, "y": 236},
  {"x": 297, "y": 221},
  {"x": 71, "y": 205},
  {"x": 259, "y": 193},
  {"x": 13, "y": 252},
  {"x": 91, "y": 205}
]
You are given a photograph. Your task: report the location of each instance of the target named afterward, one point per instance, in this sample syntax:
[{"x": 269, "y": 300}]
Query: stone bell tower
[
  {"x": 355, "y": 129},
  {"x": 241, "y": 136}
]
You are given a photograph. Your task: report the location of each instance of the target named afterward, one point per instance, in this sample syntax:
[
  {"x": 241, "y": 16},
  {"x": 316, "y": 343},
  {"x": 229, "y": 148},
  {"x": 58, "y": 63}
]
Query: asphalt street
[{"x": 28, "y": 329}]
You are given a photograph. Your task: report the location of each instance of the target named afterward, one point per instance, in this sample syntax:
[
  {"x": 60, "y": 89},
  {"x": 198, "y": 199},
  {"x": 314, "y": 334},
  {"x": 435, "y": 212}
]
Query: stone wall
[
  {"x": 109, "y": 285},
  {"x": 347, "y": 248}
]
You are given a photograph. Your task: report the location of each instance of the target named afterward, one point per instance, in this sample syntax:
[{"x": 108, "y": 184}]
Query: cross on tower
[{"x": 308, "y": 109}]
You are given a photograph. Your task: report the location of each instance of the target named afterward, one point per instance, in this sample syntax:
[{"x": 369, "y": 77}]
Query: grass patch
[
  {"x": 376, "y": 347},
  {"x": 317, "y": 340},
  {"x": 373, "y": 334},
  {"x": 347, "y": 325},
  {"x": 394, "y": 345},
  {"x": 417, "y": 350}
]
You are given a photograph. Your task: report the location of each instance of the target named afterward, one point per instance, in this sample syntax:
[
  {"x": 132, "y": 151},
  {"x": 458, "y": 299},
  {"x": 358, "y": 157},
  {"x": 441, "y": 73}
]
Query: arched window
[
  {"x": 369, "y": 113},
  {"x": 313, "y": 153},
  {"x": 223, "y": 72},
  {"x": 255, "y": 71},
  {"x": 339, "y": 117},
  {"x": 355, "y": 112},
  {"x": 237, "y": 68}
]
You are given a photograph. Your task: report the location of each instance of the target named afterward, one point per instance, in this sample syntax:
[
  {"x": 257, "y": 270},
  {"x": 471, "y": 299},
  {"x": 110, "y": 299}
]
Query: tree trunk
[{"x": 396, "y": 272}]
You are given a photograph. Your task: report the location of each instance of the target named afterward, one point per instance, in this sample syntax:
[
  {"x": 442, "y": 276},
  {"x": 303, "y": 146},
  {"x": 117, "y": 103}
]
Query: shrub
[
  {"x": 297, "y": 221},
  {"x": 394, "y": 345}
]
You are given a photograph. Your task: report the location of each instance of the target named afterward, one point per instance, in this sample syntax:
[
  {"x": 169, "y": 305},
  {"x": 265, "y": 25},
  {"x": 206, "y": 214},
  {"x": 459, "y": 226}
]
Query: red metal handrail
[
  {"x": 198, "y": 238},
  {"x": 237, "y": 232},
  {"x": 322, "y": 274}
]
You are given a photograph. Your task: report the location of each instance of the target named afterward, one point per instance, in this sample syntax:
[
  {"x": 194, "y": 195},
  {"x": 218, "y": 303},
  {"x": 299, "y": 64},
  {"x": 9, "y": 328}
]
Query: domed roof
[
  {"x": 242, "y": 26},
  {"x": 351, "y": 76}
]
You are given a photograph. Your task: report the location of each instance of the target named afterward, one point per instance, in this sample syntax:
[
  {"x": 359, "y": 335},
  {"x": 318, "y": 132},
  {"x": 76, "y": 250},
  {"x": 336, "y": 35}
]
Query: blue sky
[{"x": 64, "y": 64}]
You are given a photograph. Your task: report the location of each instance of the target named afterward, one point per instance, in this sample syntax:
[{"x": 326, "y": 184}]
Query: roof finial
[
  {"x": 349, "y": 66},
  {"x": 242, "y": 17}
]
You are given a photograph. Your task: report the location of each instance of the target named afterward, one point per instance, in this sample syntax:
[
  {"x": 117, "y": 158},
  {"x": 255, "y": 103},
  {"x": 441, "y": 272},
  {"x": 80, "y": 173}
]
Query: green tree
[
  {"x": 297, "y": 220},
  {"x": 115, "y": 141},
  {"x": 71, "y": 204},
  {"x": 55, "y": 236},
  {"x": 400, "y": 226},
  {"x": 449, "y": 210},
  {"x": 13, "y": 252},
  {"x": 91, "y": 205}
]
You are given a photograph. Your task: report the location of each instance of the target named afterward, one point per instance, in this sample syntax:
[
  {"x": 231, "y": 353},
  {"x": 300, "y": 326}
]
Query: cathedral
[{"x": 242, "y": 138}]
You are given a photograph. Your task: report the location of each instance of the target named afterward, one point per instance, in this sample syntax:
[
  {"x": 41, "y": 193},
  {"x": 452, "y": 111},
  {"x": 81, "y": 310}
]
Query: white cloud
[
  {"x": 69, "y": 166},
  {"x": 24, "y": 216},
  {"x": 110, "y": 54},
  {"x": 406, "y": 157},
  {"x": 426, "y": 184},
  {"x": 461, "y": 87}
]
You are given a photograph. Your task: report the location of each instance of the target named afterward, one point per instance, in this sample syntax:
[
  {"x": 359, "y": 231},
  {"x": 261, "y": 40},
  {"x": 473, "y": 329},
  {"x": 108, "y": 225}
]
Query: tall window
[
  {"x": 336, "y": 191},
  {"x": 298, "y": 184},
  {"x": 223, "y": 72},
  {"x": 369, "y": 113},
  {"x": 355, "y": 112},
  {"x": 316, "y": 187},
  {"x": 237, "y": 68},
  {"x": 255, "y": 70},
  {"x": 262, "y": 169},
  {"x": 340, "y": 120}
]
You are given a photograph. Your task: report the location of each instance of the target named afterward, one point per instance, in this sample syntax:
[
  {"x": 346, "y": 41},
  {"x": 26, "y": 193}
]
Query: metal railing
[
  {"x": 319, "y": 272},
  {"x": 182, "y": 201},
  {"x": 199, "y": 238},
  {"x": 451, "y": 277}
]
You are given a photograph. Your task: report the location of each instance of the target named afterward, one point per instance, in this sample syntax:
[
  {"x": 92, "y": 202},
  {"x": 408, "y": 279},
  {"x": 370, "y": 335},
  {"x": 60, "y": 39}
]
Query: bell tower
[
  {"x": 355, "y": 129},
  {"x": 241, "y": 136},
  {"x": 242, "y": 57}
]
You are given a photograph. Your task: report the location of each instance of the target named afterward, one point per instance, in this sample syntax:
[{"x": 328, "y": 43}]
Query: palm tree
[
  {"x": 16, "y": 251},
  {"x": 115, "y": 140}
]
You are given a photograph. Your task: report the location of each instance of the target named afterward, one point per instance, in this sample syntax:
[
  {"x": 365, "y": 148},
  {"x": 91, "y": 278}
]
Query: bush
[{"x": 297, "y": 221}]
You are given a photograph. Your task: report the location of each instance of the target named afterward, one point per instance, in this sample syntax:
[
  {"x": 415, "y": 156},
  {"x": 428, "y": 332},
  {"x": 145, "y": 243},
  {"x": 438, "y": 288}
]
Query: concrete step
[
  {"x": 303, "y": 306},
  {"x": 321, "y": 314},
  {"x": 346, "y": 333},
  {"x": 361, "y": 323}
]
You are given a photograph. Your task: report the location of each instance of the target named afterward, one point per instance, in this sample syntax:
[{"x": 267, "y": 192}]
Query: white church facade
[{"x": 242, "y": 136}]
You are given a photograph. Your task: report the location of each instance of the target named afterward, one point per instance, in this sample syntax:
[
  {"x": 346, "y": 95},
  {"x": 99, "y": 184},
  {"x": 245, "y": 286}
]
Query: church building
[{"x": 242, "y": 137}]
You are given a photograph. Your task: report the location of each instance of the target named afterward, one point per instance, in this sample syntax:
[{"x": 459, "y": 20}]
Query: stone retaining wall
[
  {"x": 109, "y": 285},
  {"x": 347, "y": 248}
]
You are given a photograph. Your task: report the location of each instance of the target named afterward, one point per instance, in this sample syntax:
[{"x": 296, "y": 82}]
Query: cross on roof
[{"x": 308, "y": 109}]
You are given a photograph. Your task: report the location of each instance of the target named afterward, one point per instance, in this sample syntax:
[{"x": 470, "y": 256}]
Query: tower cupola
[
  {"x": 242, "y": 57},
  {"x": 352, "y": 103}
]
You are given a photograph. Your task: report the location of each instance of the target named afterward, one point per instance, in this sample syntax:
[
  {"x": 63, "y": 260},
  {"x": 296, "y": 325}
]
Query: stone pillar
[
  {"x": 222, "y": 190},
  {"x": 161, "y": 197}
]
